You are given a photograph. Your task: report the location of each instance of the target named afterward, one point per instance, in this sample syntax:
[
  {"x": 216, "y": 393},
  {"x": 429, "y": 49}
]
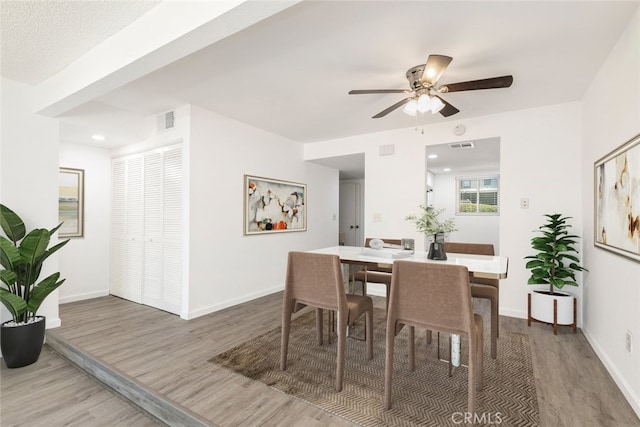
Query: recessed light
[
  {"x": 447, "y": 169},
  {"x": 433, "y": 156},
  {"x": 98, "y": 137}
]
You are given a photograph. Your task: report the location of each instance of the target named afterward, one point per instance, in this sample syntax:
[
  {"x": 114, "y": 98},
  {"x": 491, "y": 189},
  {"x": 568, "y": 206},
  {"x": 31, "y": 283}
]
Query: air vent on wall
[
  {"x": 461, "y": 145},
  {"x": 166, "y": 121}
]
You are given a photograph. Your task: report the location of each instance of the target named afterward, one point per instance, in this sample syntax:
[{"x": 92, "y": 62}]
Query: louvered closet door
[
  {"x": 118, "y": 244},
  {"x": 152, "y": 285},
  {"x": 173, "y": 229},
  {"x": 162, "y": 285},
  {"x": 127, "y": 220}
]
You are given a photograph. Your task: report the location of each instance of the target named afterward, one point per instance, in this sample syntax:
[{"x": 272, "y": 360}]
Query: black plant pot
[
  {"x": 436, "y": 252},
  {"x": 21, "y": 345}
]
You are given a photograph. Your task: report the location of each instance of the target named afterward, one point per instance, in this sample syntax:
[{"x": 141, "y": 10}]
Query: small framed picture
[
  {"x": 273, "y": 206},
  {"x": 71, "y": 202}
]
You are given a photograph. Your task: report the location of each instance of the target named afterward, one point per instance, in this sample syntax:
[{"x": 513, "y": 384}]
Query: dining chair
[
  {"x": 481, "y": 287},
  {"x": 378, "y": 274},
  {"x": 315, "y": 280},
  {"x": 434, "y": 297}
]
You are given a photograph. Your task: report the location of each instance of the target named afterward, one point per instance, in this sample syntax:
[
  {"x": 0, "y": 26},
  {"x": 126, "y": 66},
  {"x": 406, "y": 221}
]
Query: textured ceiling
[
  {"x": 40, "y": 38},
  {"x": 290, "y": 73}
]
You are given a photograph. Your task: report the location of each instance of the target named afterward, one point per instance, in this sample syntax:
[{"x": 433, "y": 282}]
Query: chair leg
[
  {"x": 342, "y": 337},
  {"x": 284, "y": 343},
  {"x": 388, "y": 365},
  {"x": 319, "y": 326},
  {"x": 498, "y": 313},
  {"x": 412, "y": 348},
  {"x": 388, "y": 286},
  {"x": 479, "y": 361},
  {"x": 494, "y": 328},
  {"x": 369, "y": 332}
]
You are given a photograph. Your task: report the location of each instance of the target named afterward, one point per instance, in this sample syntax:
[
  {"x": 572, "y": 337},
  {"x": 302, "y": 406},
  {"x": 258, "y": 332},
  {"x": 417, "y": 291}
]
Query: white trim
[
  {"x": 623, "y": 385},
  {"x": 83, "y": 296},
  {"x": 229, "y": 303}
]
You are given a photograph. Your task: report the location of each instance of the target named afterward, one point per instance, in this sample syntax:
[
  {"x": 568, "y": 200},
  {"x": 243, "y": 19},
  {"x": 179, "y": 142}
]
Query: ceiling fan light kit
[{"x": 424, "y": 92}]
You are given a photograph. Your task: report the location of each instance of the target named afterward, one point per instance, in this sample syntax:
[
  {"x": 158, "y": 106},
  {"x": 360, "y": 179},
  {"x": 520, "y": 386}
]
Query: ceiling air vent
[
  {"x": 166, "y": 121},
  {"x": 461, "y": 145}
]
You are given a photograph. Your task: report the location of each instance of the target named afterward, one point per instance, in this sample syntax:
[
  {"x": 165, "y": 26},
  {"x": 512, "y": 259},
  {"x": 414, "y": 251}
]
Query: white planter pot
[{"x": 557, "y": 308}]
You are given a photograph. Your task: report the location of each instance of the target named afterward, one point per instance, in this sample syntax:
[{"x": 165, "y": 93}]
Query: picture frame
[
  {"x": 273, "y": 206},
  {"x": 617, "y": 200},
  {"x": 71, "y": 202}
]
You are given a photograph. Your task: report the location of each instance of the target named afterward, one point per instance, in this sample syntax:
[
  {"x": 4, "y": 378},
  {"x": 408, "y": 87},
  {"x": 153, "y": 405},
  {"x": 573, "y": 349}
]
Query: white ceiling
[{"x": 290, "y": 73}]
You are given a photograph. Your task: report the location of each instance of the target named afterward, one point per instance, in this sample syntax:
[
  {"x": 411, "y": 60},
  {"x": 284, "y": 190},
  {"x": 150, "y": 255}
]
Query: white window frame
[{"x": 478, "y": 178}]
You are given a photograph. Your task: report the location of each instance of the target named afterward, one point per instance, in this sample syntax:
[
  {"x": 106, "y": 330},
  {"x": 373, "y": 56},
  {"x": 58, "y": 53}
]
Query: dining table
[{"x": 481, "y": 266}]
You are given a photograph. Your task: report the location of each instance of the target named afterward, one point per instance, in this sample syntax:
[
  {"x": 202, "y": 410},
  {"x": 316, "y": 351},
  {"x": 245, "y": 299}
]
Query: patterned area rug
[{"x": 425, "y": 397}]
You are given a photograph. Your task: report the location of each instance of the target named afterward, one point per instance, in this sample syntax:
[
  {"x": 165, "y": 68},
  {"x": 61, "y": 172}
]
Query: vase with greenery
[
  {"x": 428, "y": 222},
  {"x": 22, "y": 255},
  {"x": 555, "y": 263}
]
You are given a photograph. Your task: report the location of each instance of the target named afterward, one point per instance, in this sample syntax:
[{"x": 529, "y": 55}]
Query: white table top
[{"x": 485, "y": 266}]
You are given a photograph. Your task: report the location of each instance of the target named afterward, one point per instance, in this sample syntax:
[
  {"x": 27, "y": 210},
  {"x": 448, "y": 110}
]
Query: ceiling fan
[{"x": 424, "y": 90}]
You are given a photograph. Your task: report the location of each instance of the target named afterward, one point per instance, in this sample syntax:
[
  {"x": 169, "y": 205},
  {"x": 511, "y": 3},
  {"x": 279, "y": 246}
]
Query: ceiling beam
[{"x": 167, "y": 33}]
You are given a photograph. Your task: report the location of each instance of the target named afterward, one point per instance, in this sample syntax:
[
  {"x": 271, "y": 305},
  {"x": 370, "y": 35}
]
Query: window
[{"x": 478, "y": 195}]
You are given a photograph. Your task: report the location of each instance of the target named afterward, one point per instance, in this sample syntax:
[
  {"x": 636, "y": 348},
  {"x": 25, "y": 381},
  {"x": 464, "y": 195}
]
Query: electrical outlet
[
  {"x": 524, "y": 203},
  {"x": 629, "y": 339}
]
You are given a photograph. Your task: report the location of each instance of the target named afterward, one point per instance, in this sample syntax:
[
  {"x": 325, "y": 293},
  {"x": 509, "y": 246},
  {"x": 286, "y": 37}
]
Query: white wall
[
  {"x": 537, "y": 155},
  {"x": 611, "y": 116},
  {"x": 84, "y": 262},
  {"x": 226, "y": 267},
  {"x": 29, "y": 173}
]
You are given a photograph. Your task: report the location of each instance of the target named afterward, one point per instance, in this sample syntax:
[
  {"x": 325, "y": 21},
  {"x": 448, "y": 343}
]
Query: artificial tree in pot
[
  {"x": 21, "y": 256},
  {"x": 429, "y": 224},
  {"x": 555, "y": 265}
]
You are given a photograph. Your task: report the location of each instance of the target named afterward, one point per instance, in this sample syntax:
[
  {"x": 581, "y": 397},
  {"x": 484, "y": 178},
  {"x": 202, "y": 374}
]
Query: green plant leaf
[
  {"x": 9, "y": 254},
  {"x": 11, "y": 224},
  {"x": 16, "y": 305},
  {"x": 554, "y": 246},
  {"x": 42, "y": 290},
  {"x": 8, "y": 277}
]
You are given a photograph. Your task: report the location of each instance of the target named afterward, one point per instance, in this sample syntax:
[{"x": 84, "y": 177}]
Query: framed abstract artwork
[
  {"x": 273, "y": 206},
  {"x": 617, "y": 200},
  {"x": 71, "y": 202}
]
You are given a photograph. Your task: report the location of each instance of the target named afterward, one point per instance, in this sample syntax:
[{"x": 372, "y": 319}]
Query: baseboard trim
[
  {"x": 623, "y": 385},
  {"x": 81, "y": 297},
  {"x": 230, "y": 303},
  {"x": 153, "y": 403}
]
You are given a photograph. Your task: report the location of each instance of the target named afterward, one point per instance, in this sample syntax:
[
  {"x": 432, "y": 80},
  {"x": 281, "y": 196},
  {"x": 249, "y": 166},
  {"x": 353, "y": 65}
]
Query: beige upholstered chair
[
  {"x": 482, "y": 288},
  {"x": 316, "y": 280},
  {"x": 375, "y": 274},
  {"x": 435, "y": 297}
]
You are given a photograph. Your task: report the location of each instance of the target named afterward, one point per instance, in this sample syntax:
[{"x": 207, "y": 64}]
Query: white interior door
[{"x": 350, "y": 226}]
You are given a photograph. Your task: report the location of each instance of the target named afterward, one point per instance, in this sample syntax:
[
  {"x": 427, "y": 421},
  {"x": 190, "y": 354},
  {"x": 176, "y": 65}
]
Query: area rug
[{"x": 424, "y": 397}]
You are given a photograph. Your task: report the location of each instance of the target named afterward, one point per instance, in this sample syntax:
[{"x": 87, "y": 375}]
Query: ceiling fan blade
[
  {"x": 492, "y": 83},
  {"x": 433, "y": 69},
  {"x": 448, "y": 109},
  {"x": 366, "y": 91},
  {"x": 393, "y": 107}
]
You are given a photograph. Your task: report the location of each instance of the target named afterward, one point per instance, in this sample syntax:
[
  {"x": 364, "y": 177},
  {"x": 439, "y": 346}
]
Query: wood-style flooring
[{"x": 170, "y": 355}]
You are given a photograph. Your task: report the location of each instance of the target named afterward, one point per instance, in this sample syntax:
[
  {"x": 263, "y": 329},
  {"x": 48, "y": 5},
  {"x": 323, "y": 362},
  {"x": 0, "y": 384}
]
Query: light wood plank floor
[{"x": 170, "y": 356}]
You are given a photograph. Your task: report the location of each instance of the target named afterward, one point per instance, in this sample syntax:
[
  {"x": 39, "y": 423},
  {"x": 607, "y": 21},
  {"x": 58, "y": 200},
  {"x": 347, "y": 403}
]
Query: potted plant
[
  {"x": 21, "y": 256},
  {"x": 429, "y": 224},
  {"x": 554, "y": 265}
]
